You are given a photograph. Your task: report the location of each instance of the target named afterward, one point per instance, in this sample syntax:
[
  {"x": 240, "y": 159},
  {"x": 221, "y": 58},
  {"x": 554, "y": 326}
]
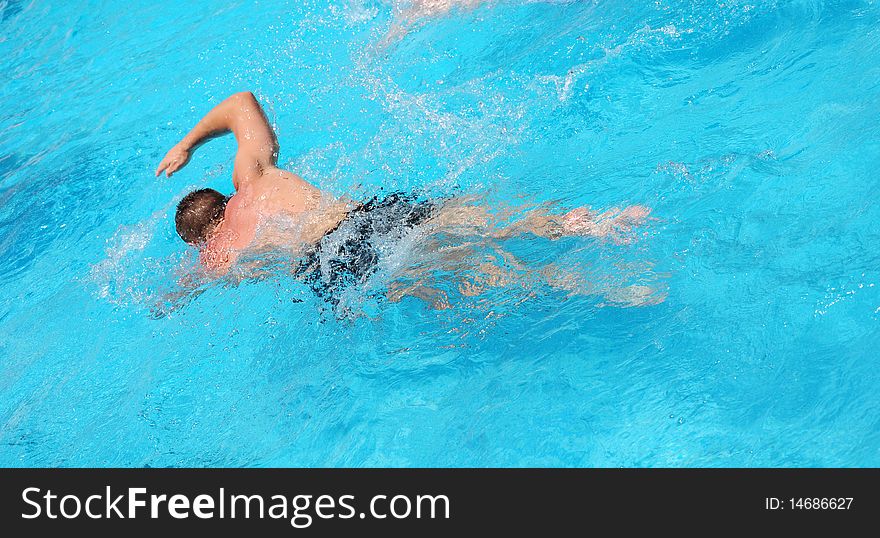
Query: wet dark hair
[{"x": 198, "y": 214}]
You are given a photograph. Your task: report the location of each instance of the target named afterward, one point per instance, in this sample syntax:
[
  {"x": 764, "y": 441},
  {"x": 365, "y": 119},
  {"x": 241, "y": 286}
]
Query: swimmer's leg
[
  {"x": 461, "y": 217},
  {"x": 613, "y": 224},
  {"x": 517, "y": 272},
  {"x": 473, "y": 277},
  {"x": 623, "y": 296},
  {"x": 472, "y": 264},
  {"x": 465, "y": 218},
  {"x": 435, "y": 298}
]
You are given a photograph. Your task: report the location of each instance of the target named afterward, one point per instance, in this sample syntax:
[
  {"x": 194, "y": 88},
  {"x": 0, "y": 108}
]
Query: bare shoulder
[
  {"x": 284, "y": 182},
  {"x": 238, "y": 227},
  {"x": 281, "y": 174}
]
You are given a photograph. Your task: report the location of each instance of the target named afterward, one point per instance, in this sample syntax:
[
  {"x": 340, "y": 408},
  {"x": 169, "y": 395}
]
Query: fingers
[
  {"x": 169, "y": 166},
  {"x": 164, "y": 165}
]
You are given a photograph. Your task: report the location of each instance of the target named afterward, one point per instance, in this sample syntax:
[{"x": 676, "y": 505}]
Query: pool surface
[{"x": 752, "y": 129}]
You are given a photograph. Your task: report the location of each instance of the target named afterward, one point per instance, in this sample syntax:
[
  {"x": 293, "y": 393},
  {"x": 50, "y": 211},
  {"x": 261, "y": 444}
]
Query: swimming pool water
[{"x": 751, "y": 128}]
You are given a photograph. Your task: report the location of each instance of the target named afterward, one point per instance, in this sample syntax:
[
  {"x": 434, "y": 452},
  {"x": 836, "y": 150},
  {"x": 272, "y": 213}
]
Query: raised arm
[{"x": 242, "y": 115}]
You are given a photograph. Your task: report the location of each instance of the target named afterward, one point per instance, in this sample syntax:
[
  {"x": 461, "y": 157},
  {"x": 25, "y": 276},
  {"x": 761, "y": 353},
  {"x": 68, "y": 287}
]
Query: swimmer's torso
[{"x": 276, "y": 209}]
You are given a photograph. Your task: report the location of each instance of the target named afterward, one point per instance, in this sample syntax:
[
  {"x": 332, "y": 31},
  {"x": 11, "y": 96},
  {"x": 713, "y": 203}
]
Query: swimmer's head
[{"x": 198, "y": 214}]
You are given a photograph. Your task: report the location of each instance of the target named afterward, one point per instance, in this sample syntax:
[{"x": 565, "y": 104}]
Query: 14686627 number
[{"x": 820, "y": 503}]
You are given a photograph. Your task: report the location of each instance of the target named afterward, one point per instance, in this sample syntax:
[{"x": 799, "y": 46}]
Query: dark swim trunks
[{"x": 349, "y": 253}]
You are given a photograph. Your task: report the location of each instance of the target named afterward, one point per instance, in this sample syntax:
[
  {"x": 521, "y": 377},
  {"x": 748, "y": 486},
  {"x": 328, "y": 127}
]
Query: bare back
[{"x": 254, "y": 214}]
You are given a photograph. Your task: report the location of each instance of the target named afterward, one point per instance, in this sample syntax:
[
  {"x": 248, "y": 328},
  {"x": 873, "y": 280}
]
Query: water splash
[{"x": 126, "y": 276}]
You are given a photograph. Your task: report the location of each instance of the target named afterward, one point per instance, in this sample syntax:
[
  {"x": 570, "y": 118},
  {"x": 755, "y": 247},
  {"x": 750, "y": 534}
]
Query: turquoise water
[{"x": 751, "y": 128}]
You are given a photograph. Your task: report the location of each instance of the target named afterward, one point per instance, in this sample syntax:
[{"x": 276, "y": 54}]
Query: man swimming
[{"x": 337, "y": 240}]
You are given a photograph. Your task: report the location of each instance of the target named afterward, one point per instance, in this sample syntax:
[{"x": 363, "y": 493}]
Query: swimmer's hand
[{"x": 174, "y": 160}]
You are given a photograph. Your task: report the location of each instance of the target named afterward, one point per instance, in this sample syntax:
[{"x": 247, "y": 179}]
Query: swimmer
[{"x": 335, "y": 238}]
